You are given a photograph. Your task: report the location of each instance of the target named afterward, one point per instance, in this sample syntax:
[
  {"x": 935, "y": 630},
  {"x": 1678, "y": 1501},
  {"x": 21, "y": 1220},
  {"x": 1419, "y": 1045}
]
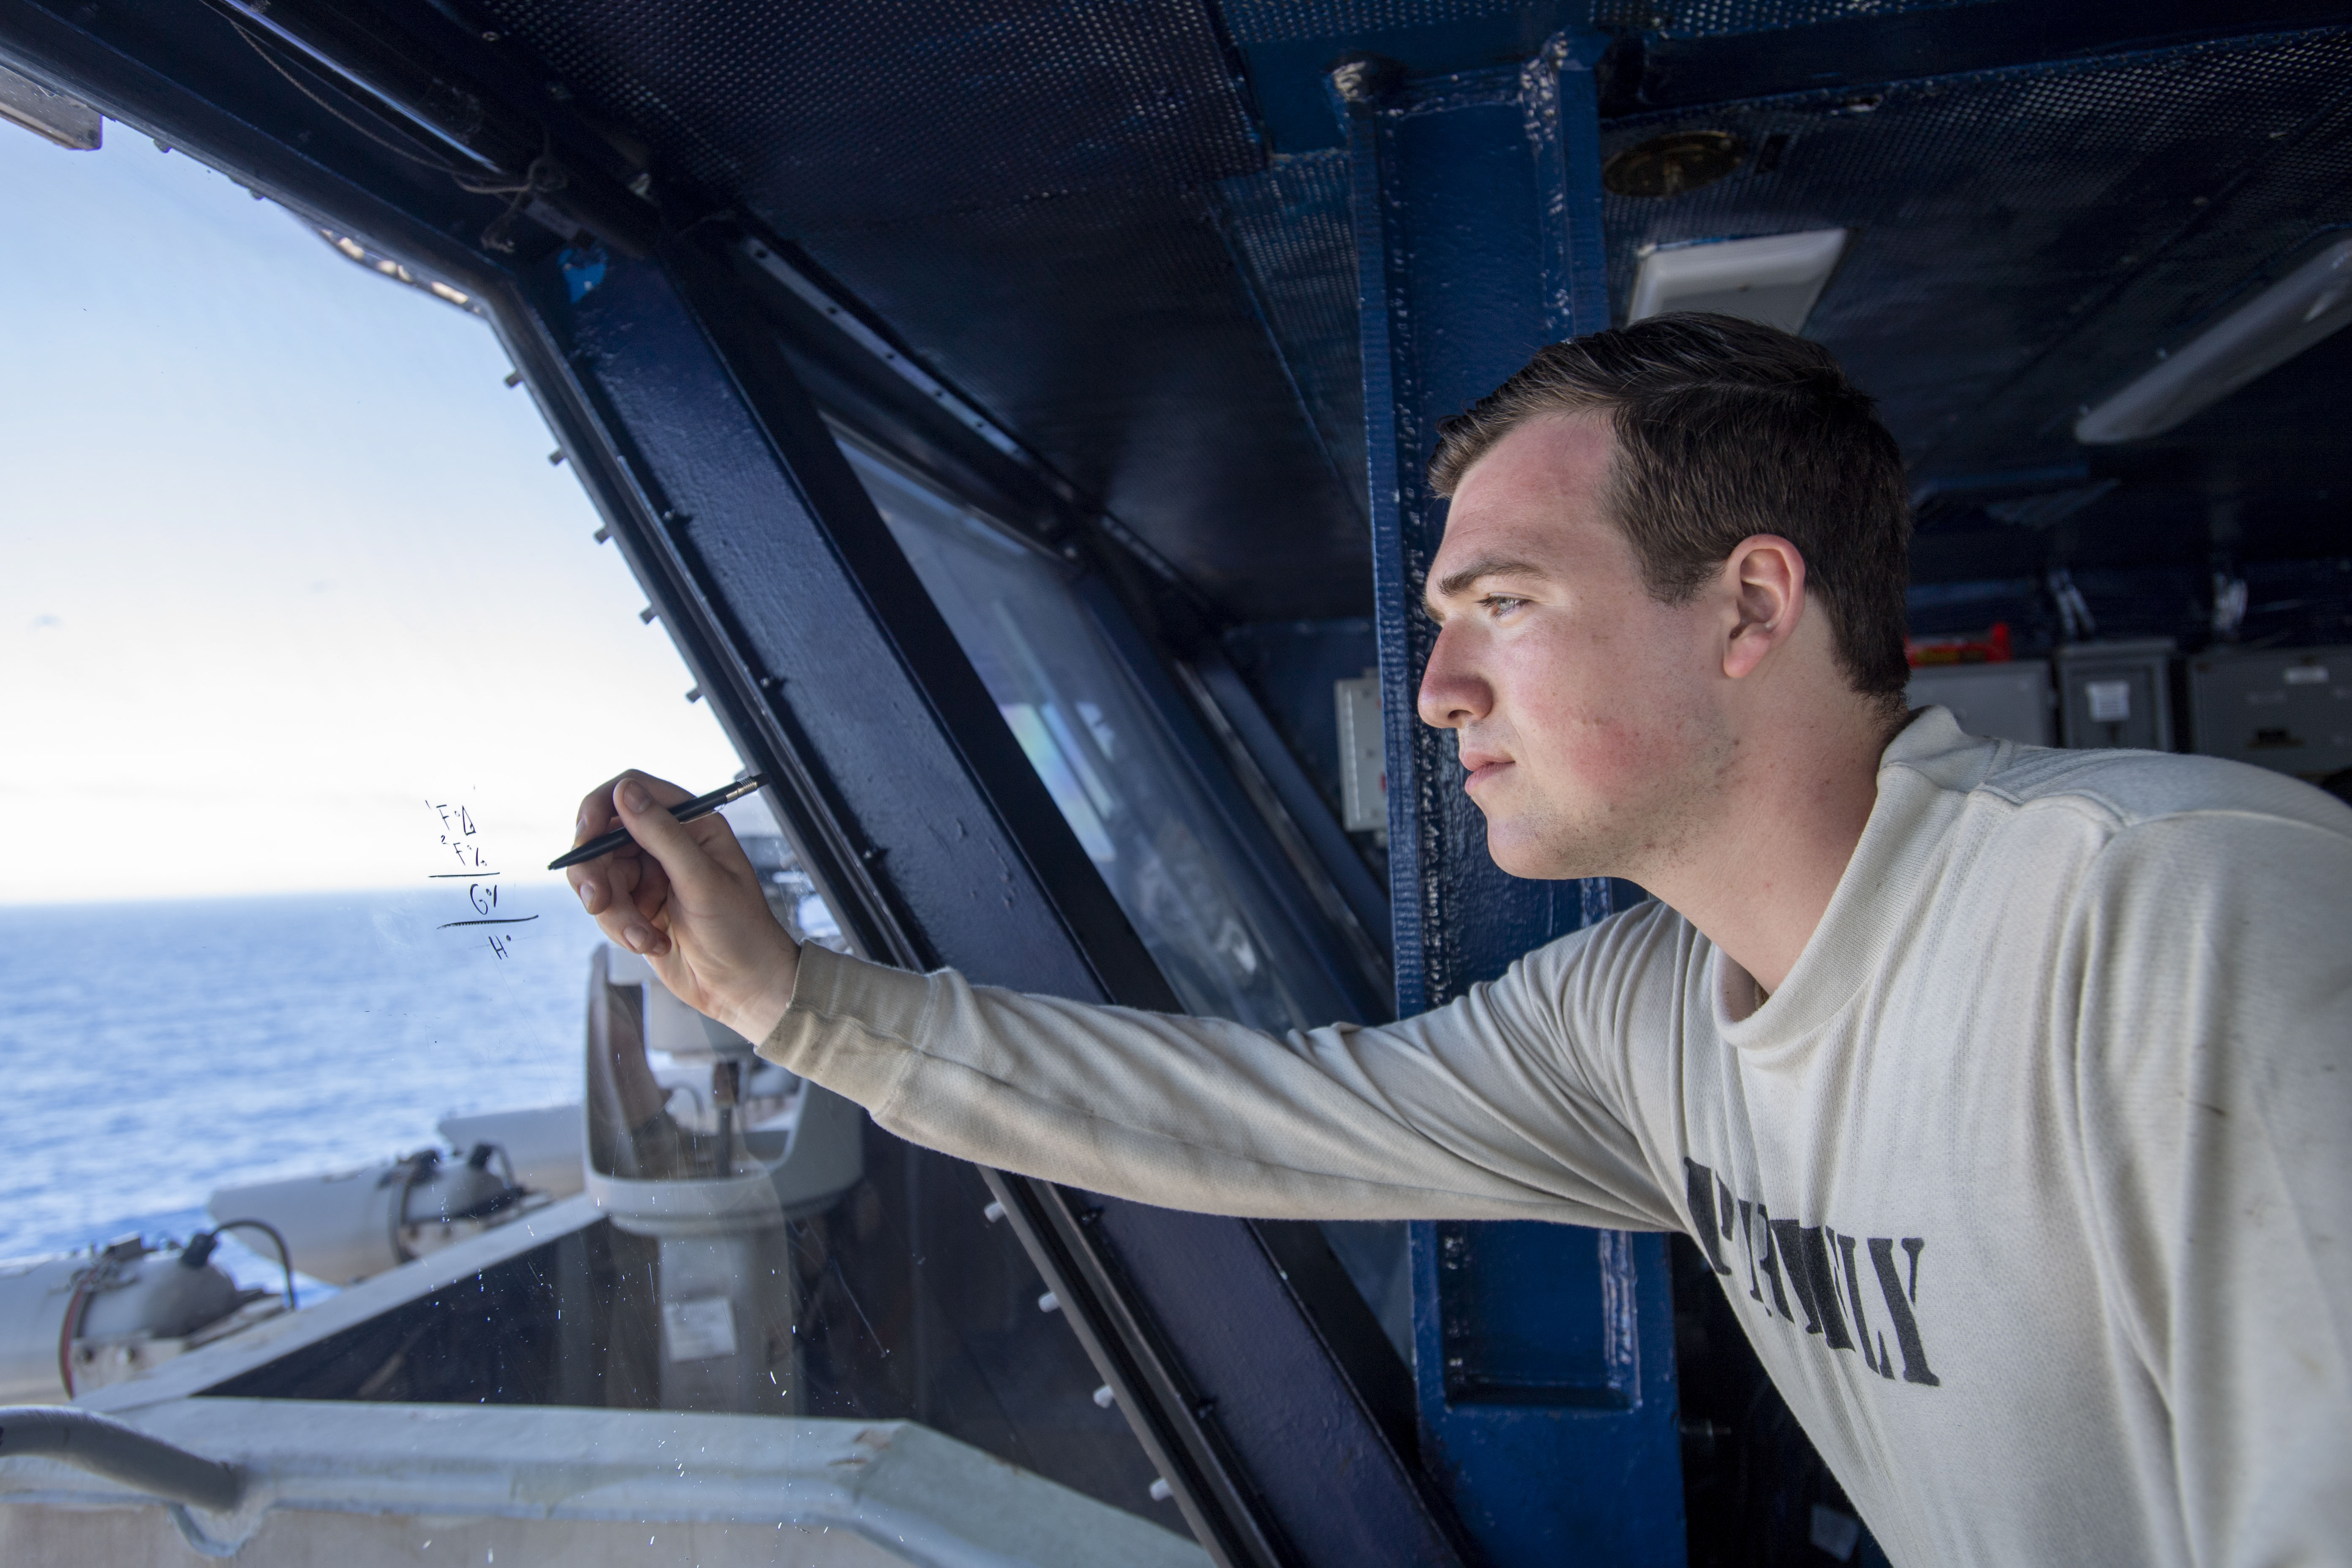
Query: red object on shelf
[{"x": 1988, "y": 646}]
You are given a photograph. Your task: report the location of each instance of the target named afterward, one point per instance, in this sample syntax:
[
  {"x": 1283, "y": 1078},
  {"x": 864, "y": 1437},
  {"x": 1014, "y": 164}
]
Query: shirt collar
[{"x": 1923, "y": 776}]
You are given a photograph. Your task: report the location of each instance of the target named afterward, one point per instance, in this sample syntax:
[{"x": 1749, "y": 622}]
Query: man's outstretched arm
[{"x": 1483, "y": 1110}]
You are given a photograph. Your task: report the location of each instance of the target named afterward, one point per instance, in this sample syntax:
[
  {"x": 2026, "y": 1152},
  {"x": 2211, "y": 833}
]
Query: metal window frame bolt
[
  {"x": 1104, "y": 1397},
  {"x": 1049, "y": 1302},
  {"x": 994, "y": 1212},
  {"x": 1160, "y": 1490}
]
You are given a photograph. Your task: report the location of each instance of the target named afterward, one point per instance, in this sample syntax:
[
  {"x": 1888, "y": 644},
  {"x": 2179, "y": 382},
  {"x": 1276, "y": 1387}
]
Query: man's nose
[{"x": 1453, "y": 693}]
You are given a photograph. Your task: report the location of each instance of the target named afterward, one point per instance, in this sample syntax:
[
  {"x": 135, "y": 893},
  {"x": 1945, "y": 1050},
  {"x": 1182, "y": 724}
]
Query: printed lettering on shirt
[{"x": 1826, "y": 1272}]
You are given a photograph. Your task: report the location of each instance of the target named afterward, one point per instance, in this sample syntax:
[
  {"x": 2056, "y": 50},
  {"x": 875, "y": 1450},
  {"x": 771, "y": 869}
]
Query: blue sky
[{"x": 281, "y": 558}]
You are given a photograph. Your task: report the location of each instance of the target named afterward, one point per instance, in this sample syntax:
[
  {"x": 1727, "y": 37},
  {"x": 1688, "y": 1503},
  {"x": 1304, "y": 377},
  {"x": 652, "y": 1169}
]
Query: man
[{"x": 2007, "y": 1090}]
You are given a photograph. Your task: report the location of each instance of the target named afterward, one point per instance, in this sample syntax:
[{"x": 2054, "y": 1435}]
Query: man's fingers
[
  {"x": 624, "y": 927},
  {"x": 598, "y": 882},
  {"x": 642, "y": 922},
  {"x": 616, "y": 921},
  {"x": 644, "y": 806},
  {"x": 632, "y": 911},
  {"x": 630, "y": 890},
  {"x": 593, "y": 881},
  {"x": 595, "y": 814},
  {"x": 651, "y": 895},
  {"x": 610, "y": 881},
  {"x": 685, "y": 896},
  {"x": 662, "y": 791}
]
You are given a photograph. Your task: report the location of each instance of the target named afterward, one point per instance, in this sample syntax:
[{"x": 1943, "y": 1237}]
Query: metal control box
[
  {"x": 2115, "y": 694},
  {"x": 2008, "y": 701},
  {"x": 2288, "y": 710},
  {"x": 1363, "y": 756}
]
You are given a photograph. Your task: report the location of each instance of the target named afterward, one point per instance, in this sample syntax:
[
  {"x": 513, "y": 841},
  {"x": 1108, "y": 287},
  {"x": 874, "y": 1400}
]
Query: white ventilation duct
[
  {"x": 2260, "y": 335},
  {"x": 1774, "y": 279}
]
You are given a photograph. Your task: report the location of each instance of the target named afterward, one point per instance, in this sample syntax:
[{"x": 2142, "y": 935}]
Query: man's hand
[{"x": 685, "y": 896}]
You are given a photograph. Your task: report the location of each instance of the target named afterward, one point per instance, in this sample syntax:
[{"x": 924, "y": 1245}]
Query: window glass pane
[
  {"x": 1218, "y": 936},
  {"x": 309, "y": 662},
  {"x": 1186, "y": 885},
  {"x": 310, "y": 654}
]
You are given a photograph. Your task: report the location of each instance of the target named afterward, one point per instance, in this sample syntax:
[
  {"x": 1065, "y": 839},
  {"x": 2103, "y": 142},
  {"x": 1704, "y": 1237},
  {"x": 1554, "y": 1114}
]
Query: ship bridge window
[
  {"x": 1103, "y": 751},
  {"x": 1176, "y": 866},
  {"x": 310, "y": 653}
]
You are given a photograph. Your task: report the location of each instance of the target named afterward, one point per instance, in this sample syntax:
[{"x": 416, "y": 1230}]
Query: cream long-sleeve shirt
[{"x": 2030, "y": 1185}]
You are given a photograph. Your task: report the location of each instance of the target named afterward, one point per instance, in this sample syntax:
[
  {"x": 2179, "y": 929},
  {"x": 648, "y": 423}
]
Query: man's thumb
[{"x": 656, "y": 832}]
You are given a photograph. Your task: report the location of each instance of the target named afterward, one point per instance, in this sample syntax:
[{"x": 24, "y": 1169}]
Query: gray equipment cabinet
[
  {"x": 2288, "y": 710},
  {"x": 2115, "y": 694},
  {"x": 2003, "y": 702}
]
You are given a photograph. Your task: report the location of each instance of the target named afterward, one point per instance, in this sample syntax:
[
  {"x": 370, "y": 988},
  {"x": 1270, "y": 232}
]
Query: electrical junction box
[
  {"x": 1363, "y": 756},
  {"x": 2115, "y": 694},
  {"x": 2008, "y": 701},
  {"x": 2286, "y": 709}
]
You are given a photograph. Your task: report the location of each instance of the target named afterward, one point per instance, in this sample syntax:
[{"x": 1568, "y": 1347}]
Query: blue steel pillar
[{"x": 1544, "y": 1355}]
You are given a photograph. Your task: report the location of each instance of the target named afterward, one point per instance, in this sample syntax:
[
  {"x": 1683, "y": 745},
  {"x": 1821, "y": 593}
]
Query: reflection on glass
[
  {"x": 706, "y": 1158},
  {"x": 1178, "y": 873},
  {"x": 1176, "y": 870},
  {"x": 757, "y": 1246}
]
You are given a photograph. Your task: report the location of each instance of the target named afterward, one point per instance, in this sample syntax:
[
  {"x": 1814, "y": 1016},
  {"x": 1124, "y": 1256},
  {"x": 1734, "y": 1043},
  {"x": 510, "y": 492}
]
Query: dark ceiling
[{"x": 1120, "y": 226}]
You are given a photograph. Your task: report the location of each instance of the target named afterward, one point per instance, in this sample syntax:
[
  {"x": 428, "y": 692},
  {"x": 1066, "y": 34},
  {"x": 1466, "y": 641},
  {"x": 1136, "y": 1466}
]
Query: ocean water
[{"x": 150, "y": 1053}]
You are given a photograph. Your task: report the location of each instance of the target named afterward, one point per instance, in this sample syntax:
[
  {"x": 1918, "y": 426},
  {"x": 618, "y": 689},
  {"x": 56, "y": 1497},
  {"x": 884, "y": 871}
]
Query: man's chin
[
  {"x": 1525, "y": 857},
  {"x": 1522, "y": 854}
]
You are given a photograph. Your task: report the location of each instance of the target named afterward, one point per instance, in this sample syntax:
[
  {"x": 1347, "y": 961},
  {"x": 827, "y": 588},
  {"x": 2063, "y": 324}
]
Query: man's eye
[{"x": 1500, "y": 603}]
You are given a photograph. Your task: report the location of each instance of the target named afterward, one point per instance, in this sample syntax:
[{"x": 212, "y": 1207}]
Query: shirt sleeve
[
  {"x": 1482, "y": 1109},
  {"x": 2215, "y": 1082}
]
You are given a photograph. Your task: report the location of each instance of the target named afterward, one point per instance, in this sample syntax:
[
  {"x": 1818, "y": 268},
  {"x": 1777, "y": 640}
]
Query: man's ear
[{"x": 1766, "y": 575}]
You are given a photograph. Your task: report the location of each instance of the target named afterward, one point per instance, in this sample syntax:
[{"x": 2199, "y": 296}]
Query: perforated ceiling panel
[
  {"x": 1289, "y": 228},
  {"x": 1717, "y": 18},
  {"x": 828, "y": 114},
  {"x": 2025, "y": 240},
  {"x": 1267, "y": 21}
]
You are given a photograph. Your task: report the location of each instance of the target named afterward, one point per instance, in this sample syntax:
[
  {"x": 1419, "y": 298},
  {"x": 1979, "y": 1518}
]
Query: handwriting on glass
[{"x": 462, "y": 839}]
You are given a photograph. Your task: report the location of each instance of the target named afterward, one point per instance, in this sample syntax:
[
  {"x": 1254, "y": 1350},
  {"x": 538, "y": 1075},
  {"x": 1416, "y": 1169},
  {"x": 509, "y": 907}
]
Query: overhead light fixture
[
  {"x": 2260, "y": 335},
  {"x": 1774, "y": 279}
]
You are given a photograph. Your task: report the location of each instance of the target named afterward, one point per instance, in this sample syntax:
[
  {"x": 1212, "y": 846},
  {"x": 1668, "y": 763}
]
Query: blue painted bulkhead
[{"x": 1543, "y": 1355}]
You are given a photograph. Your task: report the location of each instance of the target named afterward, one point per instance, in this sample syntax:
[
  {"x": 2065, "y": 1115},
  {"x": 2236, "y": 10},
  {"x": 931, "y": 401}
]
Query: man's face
[{"x": 1585, "y": 709}]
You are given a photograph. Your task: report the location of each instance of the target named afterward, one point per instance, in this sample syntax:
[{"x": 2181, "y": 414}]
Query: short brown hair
[{"x": 1727, "y": 429}]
